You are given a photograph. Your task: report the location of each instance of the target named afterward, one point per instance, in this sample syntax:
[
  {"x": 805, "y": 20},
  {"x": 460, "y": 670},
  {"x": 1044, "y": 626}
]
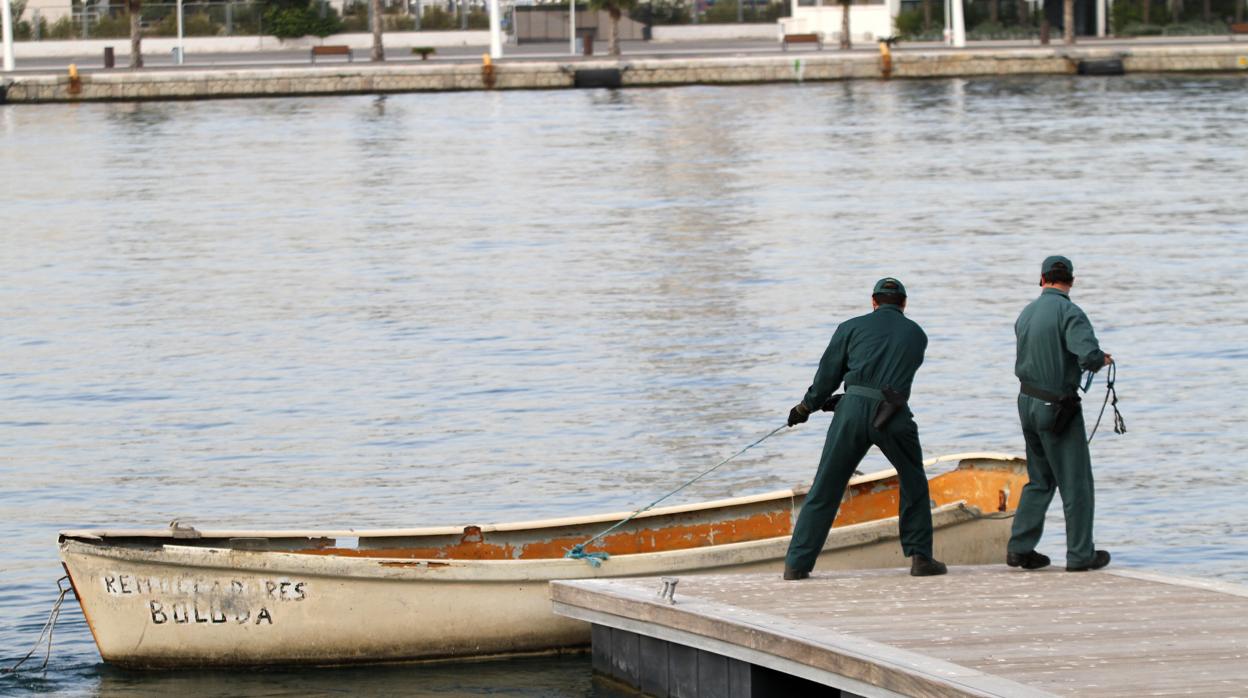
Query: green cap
[
  {"x": 889, "y": 285},
  {"x": 1050, "y": 262}
]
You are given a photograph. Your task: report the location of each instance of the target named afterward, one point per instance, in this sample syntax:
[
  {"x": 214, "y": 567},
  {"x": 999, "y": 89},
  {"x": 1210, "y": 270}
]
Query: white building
[{"x": 869, "y": 20}]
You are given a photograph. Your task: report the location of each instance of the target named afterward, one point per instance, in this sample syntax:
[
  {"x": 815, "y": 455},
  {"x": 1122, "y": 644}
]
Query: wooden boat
[{"x": 179, "y": 597}]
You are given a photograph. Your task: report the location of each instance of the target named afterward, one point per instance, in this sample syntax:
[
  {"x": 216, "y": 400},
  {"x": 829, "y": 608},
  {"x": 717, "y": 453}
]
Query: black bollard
[{"x": 109, "y": 60}]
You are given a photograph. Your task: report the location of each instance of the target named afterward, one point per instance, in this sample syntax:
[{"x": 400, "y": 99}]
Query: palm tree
[
  {"x": 615, "y": 10},
  {"x": 379, "y": 52},
  {"x": 846, "y": 42},
  {"x": 1068, "y": 21},
  {"x": 135, "y": 8}
]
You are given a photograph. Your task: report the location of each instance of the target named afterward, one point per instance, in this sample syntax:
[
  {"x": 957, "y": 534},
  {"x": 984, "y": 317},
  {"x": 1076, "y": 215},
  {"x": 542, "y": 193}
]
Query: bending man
[
  {"x": 1055, "y": 341},
  {"x": 876, "y": 355}
]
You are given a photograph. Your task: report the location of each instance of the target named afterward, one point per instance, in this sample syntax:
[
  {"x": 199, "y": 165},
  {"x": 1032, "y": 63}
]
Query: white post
[
  {"x": 572, "y": 25},
  {"x": 7, "y": 13},
  {"x": 1100, "y": 17},
  {"x": 181, "y": 48},
  {"x": 496, "y": 29},
  {"x": 948, "y": 33},
  {"x": 959, "y": 26}
]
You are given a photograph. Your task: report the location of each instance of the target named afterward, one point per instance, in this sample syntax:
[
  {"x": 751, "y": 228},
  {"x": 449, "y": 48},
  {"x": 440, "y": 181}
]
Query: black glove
[
  {"x": 800, "y": 413},
  {"x": 830, "y": 404}
]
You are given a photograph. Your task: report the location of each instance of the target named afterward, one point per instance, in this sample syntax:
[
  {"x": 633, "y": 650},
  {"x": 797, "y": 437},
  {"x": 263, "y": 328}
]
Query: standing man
[
  {"x": 876, "y": 355},
  {"x": 1055, "y": 341}
]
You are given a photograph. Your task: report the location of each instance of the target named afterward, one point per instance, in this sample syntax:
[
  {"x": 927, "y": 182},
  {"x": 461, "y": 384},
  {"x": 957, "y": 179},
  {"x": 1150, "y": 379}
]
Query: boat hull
[{"x": 186, "y": 606}]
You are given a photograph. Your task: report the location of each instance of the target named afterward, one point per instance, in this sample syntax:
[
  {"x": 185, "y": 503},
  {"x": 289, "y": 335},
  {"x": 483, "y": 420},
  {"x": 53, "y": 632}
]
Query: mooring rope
[
  {"x": 577, "y": 552},
  {"x": 1120, "y": 425},
  {"x": 49, "y": 626}
]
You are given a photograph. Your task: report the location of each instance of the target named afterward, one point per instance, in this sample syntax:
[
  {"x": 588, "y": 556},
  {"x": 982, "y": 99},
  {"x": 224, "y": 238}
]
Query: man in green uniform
[
  {"x": 876, "y": 355},
  {"x": 1054, "y": 342}
]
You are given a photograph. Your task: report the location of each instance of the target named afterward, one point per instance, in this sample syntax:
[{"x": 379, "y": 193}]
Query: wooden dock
[{"x": 978, "y": 631}]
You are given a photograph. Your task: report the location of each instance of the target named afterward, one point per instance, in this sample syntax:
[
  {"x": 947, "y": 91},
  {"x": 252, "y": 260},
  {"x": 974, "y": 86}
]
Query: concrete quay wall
[{"x": 794, "y": 67}]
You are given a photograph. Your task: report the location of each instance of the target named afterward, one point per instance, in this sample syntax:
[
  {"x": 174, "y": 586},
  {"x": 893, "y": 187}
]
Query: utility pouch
[
  {"x": 1065, "y": 407},
  {"x": 892, "y": 403},
  {"x": 1064, "y": 412}
]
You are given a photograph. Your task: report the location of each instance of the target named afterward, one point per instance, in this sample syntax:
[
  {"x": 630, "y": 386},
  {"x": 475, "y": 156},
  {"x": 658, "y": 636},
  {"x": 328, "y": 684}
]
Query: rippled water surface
[{"x": 462, "y": 308}]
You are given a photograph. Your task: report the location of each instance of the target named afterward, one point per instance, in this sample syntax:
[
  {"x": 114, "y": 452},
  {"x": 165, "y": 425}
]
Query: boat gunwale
[
  {"x": 532, "y": 525},
  {"x": 453, "y": 570}
]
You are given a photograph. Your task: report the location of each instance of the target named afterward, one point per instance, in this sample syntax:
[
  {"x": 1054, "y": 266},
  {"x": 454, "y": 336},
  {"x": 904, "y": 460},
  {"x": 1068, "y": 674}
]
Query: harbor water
[{"x": 468, "y": 308}]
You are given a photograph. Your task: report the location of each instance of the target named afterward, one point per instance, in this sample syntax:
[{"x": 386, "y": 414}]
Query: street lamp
[{"x": 7, "y": 28}]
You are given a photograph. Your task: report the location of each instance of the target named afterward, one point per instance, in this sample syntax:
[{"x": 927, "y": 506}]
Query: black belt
[{"x": 1039, "y": 394}]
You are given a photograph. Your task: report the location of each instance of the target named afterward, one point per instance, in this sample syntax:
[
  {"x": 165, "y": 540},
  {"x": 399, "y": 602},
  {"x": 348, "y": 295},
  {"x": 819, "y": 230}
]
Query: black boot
[
  {"x": 1099, "y": 560},
  {"x": 924, "y": 566},
  {"x": 1028, "y": 561},
  {"x": 793, "y": 575}
]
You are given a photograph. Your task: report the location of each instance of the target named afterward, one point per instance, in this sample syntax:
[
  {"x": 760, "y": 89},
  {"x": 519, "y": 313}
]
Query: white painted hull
[{"x": 181, "y": 605}]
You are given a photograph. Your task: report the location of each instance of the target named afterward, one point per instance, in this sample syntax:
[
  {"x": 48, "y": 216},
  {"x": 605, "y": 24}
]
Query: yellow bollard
[
  {"x": 487, "y": 71},
  {"x": 886, "y": 60},
  {"x": 75, "y": 82}
]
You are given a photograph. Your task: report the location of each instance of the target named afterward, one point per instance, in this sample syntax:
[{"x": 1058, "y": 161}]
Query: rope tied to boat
[
  {"x": 1120, "y": 425},
  {"x": 577, "y": 552},
  {"x": 49, "y": 626}
]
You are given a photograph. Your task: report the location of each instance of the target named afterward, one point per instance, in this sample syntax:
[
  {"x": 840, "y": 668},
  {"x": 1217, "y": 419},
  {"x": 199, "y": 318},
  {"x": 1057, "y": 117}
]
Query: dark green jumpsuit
[
  {"x": 870, "y": 351},
  {"x": 1055, "y": 341}
]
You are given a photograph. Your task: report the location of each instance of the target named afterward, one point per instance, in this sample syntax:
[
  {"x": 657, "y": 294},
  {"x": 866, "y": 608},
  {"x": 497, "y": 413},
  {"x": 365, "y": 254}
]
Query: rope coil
[
  {"x": 49, "y": 626},
  {"x": 596, "y": 558},
  {"x": 1120, "y": 425}
]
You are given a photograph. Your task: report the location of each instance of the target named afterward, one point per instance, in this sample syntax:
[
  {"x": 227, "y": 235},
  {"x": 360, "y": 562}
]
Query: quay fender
[
  {"x": 598, "y": 77},
  {"x": 1107, "y": 66},
  {"x": 4, "y": 91}
]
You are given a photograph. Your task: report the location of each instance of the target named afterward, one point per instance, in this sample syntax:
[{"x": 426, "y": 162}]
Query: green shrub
[
  {"x": 291, "y": 21},
  {"x": 110, "y": 27},
  {"x": 62, "y": 28},
  {"x": 1196, "y": 28},
  {"x": 1139, "y": 29},
  {"x": 725, "y": 12},
  {"x": 438, "y": 18},
  {"x": 662, "y": 12}
]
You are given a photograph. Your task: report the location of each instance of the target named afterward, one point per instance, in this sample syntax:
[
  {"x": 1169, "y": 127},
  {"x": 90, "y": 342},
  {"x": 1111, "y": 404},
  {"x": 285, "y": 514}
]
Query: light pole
[
  {"x": 181, "y": 48},
  {"x": 7, "y": 13},
  {"x": 959, "y": 25},
  {"x": 572, "y": 30},
  {"x": 496, "y": 43}
]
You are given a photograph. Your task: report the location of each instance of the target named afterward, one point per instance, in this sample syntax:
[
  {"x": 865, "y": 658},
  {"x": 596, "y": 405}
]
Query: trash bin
[
  {"x": 109, "y": 58},
  {"x": 586, "y": 37}
]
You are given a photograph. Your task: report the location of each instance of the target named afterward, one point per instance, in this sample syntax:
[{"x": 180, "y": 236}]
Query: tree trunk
[
  {"x": 613, "y": 38},
  {"x": 1068, "y": 21},
  {"x": 1148, "y": 5},
  {"x": 1239, "y": 11},
  {"x": 994, "y": 11},
  {"x": 1208, "y": 11},
  {"x": 135, "y": 8},
  {"x": 379, "y": 51},
  {"x": 927, "y": 16},
  {"x": 1176, "y": 11},
  {"x": 463, "y": 14},
  {"x": 1022, "y": 12},
  {"x": 846, "y": 42}
]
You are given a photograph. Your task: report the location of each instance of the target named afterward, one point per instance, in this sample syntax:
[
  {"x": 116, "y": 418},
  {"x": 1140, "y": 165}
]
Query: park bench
[
  {"x": 332, "y": 51},
  {"x": 1239, "y": 28},
  {"x": 810, "y": 38},
  {"x": 423, "y": 52}
]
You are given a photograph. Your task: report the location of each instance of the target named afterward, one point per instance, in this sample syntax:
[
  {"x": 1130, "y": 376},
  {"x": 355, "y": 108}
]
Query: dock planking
[{"x": 978, "y": 631}]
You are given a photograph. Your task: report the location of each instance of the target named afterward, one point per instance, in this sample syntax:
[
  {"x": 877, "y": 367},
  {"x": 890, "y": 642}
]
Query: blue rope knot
[{"x": 577, "y": 552}]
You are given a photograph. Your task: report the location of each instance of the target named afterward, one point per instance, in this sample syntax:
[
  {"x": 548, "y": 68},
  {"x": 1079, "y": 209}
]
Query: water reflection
[{"x": 463, "y": 307}]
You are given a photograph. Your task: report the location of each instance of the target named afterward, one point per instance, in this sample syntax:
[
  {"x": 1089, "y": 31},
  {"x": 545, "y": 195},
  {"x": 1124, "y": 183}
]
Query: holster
[
  {"x": 1065, "y": 407},
  {"x": 1064, "y": 412},
  {"x": 892, "y": 403}
]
